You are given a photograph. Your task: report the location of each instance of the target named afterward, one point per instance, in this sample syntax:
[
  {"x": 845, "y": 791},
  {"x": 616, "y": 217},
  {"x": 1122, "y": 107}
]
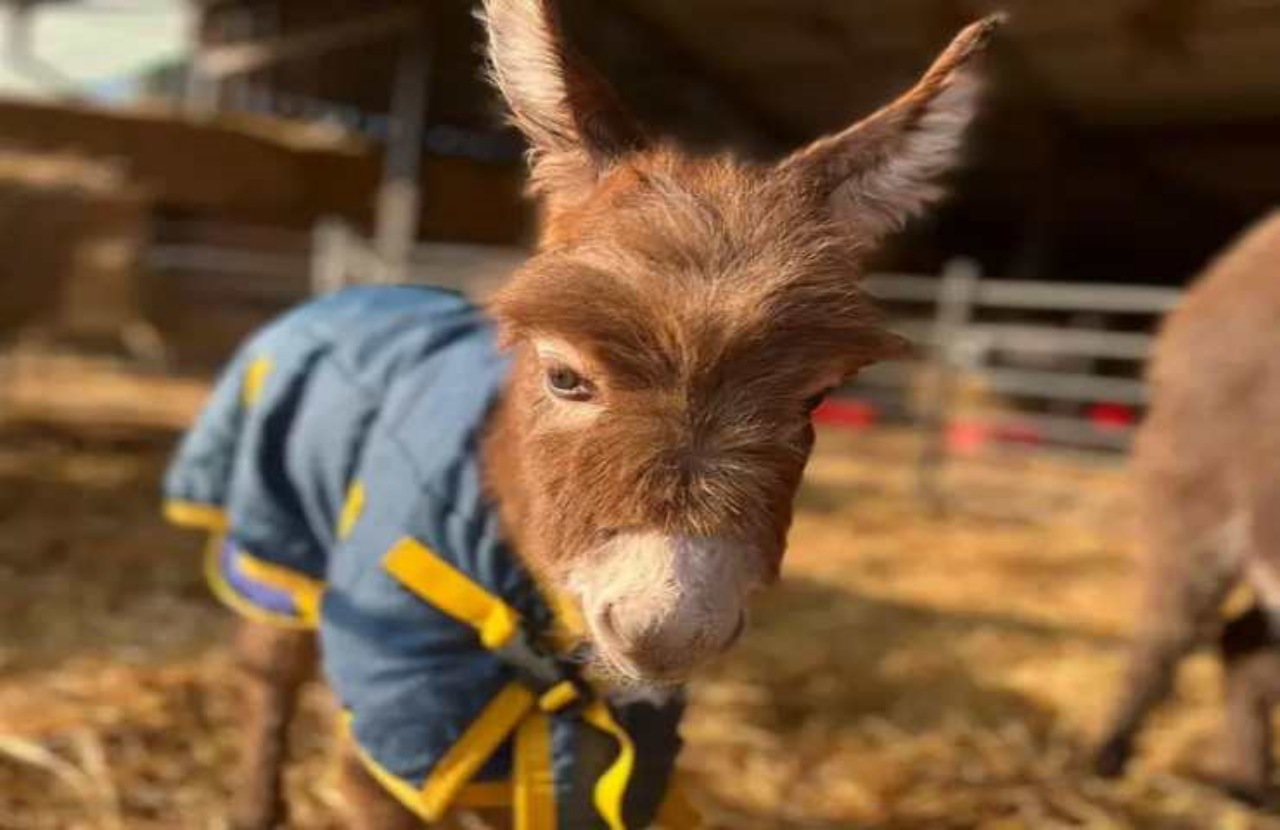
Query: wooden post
[
  {"x": 955, "y": 311},
  {"x": 400, "y": 197},
  {"x": 330, "y": 269}
]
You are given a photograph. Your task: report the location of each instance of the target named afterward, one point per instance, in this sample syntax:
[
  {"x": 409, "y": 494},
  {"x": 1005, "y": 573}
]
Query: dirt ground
[{"x": 913, "y": 671}]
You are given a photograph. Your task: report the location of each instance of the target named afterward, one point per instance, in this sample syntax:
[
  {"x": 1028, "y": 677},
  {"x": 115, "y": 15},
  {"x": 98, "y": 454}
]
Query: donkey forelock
[
  {"x": 678, "y": 323},
  {"x": 695, "y": 268}
]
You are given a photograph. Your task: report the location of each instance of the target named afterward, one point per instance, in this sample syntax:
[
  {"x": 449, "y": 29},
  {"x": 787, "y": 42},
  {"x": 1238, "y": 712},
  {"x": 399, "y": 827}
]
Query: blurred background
[{"x": 173, "y": 174}]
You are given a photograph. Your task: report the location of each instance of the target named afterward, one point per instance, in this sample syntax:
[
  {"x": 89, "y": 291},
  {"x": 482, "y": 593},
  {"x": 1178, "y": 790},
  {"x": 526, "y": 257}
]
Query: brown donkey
[
  {"x": 668, "y": 341},
  {"x": 1207, "y": 467}
]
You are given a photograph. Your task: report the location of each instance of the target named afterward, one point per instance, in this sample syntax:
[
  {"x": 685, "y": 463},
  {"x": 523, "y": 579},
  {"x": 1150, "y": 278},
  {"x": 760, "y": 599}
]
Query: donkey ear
[
  {"x": 884, "y": 170},
  {"x": 569, "y": 113}
]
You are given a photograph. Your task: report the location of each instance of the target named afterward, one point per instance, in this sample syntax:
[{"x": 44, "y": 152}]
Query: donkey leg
[
  {"x": 273, "y": 664},
  {"x": 1186, "y": 583},
  {"x": 1251, "y": 656},
  {"x": 1250, "y": 647},
  {"x": 367, "y": 803}
]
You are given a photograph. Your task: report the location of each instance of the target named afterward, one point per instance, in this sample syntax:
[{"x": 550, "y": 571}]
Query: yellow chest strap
[{"x": 514, "y": 710}]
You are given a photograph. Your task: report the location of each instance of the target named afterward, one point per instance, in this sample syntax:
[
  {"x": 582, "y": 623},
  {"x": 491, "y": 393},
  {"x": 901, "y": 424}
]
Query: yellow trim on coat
[
  {"x": 196, "y": 516},
  {"x": 482, "y": 738},
  {"x": 404, "y": 792},
  {"x": 450, "y": 781},
  {"x": 231, "y": 598},
  {"x": 306, "y": 592},
  {"x": 482, "y": 795}
]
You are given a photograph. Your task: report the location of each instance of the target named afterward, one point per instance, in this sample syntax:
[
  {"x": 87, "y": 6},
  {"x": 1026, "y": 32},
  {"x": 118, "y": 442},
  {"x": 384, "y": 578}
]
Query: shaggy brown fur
[
  {"x": 708, "y": 298},
  {"x": 707, "y": 305},
  {"x": 1207, "y": 464},
  {"x": 273, "y": 664}
]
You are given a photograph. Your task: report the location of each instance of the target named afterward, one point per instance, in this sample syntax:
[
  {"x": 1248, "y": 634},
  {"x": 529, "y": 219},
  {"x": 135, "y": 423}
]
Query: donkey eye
[{"x": 567, "y": 384}]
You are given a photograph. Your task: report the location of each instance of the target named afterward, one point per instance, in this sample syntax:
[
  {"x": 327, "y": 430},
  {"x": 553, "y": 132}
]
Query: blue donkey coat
[{"x": 339, "y": 452}]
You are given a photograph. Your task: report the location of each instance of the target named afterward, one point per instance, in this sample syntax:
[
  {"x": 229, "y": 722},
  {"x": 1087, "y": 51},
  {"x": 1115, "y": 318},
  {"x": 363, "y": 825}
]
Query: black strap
[{"x": 539, "y": 668}]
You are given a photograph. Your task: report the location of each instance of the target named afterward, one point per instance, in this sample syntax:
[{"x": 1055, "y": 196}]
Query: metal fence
[
  {"x": 247, "y": 265},
  {"x": 1016, "y": 364}
]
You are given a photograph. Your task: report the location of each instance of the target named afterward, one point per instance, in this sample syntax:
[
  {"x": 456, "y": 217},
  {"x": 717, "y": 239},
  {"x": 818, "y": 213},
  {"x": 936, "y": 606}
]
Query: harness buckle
[{"x": 555, "y": 681}]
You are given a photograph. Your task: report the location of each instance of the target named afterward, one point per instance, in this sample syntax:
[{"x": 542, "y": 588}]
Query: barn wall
[{"x": 266, "y": 172}]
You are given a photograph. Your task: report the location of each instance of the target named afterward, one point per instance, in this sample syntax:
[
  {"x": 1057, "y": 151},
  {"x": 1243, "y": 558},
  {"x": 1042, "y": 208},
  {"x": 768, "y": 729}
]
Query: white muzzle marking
[{"x": 659, "y": 605}]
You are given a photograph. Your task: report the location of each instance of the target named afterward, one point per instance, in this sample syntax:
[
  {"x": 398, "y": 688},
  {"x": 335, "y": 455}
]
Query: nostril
[{"x": 605, "y": 535}]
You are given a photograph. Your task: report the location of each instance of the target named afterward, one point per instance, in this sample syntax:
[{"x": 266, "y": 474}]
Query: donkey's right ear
[{"x": 575, "y": 122}]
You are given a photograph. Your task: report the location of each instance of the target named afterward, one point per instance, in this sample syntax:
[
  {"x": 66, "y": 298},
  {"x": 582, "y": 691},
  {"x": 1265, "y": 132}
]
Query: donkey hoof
[{"x": 1112, "y": 757}]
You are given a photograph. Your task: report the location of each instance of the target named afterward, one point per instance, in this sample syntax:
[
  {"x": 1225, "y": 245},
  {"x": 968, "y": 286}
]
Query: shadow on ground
[{"x": 820, "y": 652}]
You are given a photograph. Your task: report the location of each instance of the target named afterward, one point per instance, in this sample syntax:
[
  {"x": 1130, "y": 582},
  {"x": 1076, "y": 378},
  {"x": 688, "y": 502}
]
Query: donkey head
[{"x": 677, "y": 326}]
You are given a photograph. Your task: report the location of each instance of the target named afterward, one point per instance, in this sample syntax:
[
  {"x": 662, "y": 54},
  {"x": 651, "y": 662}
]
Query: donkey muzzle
[{"x": 657, "y": 606}]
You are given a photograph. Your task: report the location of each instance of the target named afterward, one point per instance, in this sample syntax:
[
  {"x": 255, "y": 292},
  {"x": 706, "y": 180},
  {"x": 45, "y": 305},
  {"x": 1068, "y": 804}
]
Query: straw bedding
[{"x": 913, "y": 671}]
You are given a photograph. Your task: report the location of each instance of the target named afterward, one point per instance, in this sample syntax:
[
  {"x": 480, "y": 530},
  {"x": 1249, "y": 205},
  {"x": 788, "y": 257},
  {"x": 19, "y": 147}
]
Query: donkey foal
[{"x": 629, "y": 458}]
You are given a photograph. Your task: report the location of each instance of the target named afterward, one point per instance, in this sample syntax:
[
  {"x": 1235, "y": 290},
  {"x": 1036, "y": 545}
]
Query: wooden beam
[
  {"x": 1103, "y": 152},
  {"x": 400, "y": 196},
  {"x": 240, "y": 58},
  {"x": 767, "y": 130}
]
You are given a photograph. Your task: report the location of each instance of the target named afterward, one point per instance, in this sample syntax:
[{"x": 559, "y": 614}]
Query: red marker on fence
[
  {"x": 1112, "y": 416},
  {"x": 846, "y": 413}
]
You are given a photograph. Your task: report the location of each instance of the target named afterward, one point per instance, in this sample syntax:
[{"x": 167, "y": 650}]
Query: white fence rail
[
  {"x": 244, "y": 264},
  {"x": 1048, "y": 357}
]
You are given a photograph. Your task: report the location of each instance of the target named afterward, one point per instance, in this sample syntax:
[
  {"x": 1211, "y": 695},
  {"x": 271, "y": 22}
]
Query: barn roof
[
  {"x": 810, "y": 63},
  {"x": 1153, "y": 118},
  {"x": 1122, "y": 135}
]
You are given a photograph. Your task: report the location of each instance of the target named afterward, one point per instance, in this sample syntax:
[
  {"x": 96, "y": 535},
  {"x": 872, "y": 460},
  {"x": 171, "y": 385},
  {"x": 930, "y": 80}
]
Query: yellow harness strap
[
  {"x": 420, "y": 570},
  {"x": 534, "y": 785},
  {"x": 611, "y": 789},
  {"x": 505, "y": 713}
]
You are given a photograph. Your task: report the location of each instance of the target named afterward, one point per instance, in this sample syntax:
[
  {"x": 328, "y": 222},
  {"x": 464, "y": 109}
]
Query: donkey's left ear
[{"x": 885, "y": 170}]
